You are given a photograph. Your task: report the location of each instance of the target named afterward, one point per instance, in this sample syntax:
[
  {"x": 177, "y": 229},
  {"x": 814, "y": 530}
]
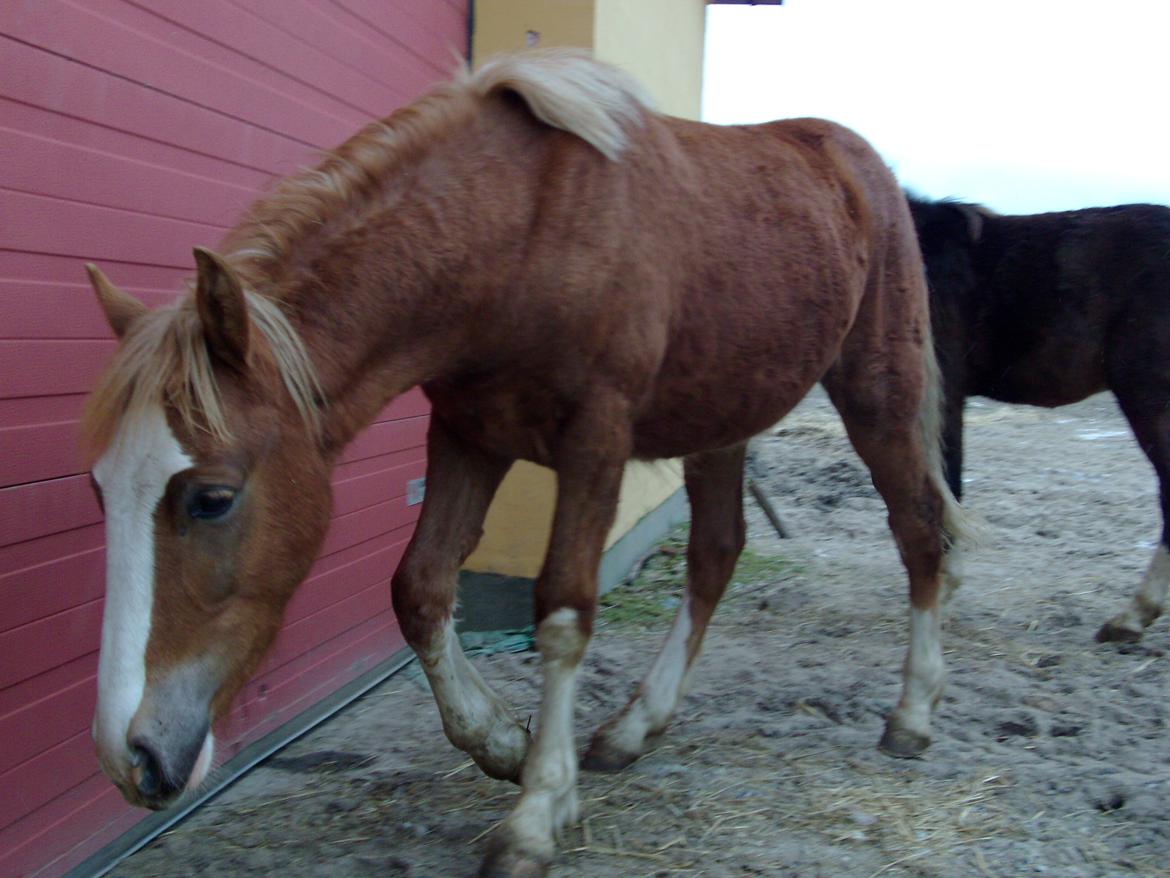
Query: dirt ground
[{"x": 1051, "y": 752}]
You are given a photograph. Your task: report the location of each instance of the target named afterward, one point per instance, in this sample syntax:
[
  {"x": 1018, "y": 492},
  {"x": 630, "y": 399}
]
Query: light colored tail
[{"x": 958, "y": 524}]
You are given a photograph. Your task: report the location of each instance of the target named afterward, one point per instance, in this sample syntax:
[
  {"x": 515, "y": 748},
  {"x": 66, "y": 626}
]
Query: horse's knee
[
  {"x": 562, "y": 636},
  {"x": 717, "y": 552},
  {"x": 920, "y": 541},
  {"x": 422, "y": 603},
  {"x": 716, "y": 556},
  {"x": 739, "y": 537}
]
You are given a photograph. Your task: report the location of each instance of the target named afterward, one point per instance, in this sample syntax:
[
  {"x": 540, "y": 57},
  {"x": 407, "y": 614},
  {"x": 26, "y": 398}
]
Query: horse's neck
[
  {"x": 406, "y": 295},
  {"x": 366, "y": 346},
  {"x": 370, "y": 318}
]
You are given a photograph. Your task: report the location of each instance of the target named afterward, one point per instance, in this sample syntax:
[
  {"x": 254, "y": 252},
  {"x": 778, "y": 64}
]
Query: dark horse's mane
[{"x": 949, "y": 217}]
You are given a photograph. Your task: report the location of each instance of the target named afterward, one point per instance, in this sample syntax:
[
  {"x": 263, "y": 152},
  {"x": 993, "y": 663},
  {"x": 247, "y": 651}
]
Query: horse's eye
[{"x": 211, "y": 503}]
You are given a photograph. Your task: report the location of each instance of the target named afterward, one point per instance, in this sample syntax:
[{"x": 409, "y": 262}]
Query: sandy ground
[{"x": 1051, "y": 752}]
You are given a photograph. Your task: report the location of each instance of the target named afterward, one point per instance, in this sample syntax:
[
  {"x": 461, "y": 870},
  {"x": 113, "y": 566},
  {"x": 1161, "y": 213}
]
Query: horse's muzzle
[
  {"x": 166, "y": 748},
  {"x": 164, "y": 762},
  {"x": 157, "y": 781}
]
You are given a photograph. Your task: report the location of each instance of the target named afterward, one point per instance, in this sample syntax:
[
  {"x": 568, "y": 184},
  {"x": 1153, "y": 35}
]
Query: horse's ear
[
  {"x": 974, "y": 214},
  {"x": 222, "y": 308},
  {"x": 121, "y": 308}
]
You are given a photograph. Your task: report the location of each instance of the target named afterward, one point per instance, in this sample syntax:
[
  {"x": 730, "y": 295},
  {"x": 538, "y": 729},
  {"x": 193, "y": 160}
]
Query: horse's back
[
  {"x": 781, "y": 227},
  {"x": 1034, "y": 306},
  {"x": 803, "y": 169},
  {"x": 709, "y": 274}
]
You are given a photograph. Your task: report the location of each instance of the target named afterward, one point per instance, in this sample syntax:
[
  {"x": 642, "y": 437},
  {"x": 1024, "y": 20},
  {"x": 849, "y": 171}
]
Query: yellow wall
[
  {"x": 661, "y": 43},
  {"x": 501, "y": 25},
  {"x": 516, "y": 531},
  {"x": 520, "y": 518}
]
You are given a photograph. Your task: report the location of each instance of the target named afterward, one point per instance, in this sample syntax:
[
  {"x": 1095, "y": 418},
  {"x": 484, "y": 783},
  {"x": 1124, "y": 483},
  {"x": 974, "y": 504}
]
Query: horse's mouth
[
  {"x": 151, "y": 801},
  {"x": 155, "y": 804}
]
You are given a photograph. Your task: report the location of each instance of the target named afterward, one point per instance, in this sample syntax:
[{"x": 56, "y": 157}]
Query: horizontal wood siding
[{"x": 130, "y": 133}]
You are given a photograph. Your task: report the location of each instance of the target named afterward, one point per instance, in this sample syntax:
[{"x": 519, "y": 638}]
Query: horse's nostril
[{"x": 153, "y": 782}]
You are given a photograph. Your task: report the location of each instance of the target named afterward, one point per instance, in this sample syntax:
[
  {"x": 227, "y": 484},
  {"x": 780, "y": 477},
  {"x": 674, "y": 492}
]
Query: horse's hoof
[
  {"x": 503, "y": 758},
  {"x": 1118, "y": 632},
  {"x": 902, "y": 743},
  {"x": 504, "y": 861},
  {"x": 509, "y": 772},
  {"x": 605, "y": 758}
]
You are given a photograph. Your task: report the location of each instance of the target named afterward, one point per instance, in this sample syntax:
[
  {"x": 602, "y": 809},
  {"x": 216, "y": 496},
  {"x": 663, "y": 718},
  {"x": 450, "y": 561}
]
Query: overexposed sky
[{"x": 1023, "y": 105}]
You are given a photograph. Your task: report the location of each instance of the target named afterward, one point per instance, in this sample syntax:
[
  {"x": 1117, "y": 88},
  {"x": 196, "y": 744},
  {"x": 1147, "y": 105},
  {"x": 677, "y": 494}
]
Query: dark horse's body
[{"x": 1048, "y": 310}]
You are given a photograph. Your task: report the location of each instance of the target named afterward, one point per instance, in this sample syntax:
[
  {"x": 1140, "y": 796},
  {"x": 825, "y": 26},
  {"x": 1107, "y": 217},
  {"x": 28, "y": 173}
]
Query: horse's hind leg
[
  {"x": 882, "y": 419},
  {"x": 714, "y": 483},
  {"x": 460, "y": 484},
  {"x": 1150, "y": 420}
]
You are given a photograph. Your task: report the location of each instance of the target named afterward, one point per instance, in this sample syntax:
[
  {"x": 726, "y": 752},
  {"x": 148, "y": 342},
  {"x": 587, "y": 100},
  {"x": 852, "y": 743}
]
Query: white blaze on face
[{"x": 133, "y": 474}]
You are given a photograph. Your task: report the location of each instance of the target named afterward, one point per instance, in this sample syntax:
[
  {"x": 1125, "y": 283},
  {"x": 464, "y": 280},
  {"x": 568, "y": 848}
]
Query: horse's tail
[{"x": 958, "y": 524}]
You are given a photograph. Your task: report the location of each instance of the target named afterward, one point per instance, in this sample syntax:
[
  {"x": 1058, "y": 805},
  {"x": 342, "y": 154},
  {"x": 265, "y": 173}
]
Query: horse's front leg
[
  {"x": 461, "y": 482},
  {"x": 588, "y": 481}
]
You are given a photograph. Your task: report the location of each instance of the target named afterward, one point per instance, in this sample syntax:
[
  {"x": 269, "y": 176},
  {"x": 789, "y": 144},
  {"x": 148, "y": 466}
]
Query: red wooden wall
[{"x": 130, "y": 132}]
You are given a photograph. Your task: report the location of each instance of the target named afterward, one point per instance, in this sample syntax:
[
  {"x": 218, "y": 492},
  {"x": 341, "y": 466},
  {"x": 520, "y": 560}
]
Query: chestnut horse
[
  {"x": 573, "y": 280},
  {"x": 1047, "y": 310}
]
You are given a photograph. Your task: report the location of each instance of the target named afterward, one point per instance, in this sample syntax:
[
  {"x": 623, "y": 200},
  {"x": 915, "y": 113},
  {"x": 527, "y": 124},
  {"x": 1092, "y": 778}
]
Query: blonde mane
[
  {"x": 164, "y": 360},
  {"x": 564, "y": 88},
  {"x": 569, "y": 90}
]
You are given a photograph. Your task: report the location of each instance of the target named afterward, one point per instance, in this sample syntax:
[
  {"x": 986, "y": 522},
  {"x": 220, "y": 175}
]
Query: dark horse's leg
[
  {"x": 460, "y": 484},
  {"x": 715, "y": 488},
  {"x": 1145, "y": 404},
  {"x": 589, "y": 461},
  {"x": 952, "y": 440},
  {"x": 954, "y": 401}
]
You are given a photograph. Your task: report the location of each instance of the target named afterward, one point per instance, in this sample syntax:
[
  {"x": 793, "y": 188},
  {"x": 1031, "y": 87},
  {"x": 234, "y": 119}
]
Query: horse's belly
[
  {"x": 1045, "y": 378},
  {"x": 721, "y": 387},
  {"x": 712, "y": 418}
]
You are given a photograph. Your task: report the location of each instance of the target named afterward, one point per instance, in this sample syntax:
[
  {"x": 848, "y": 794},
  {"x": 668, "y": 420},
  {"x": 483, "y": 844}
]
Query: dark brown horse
[
  {"x": 1050, "y": 309},
  {"x": 574, "y": 280}
]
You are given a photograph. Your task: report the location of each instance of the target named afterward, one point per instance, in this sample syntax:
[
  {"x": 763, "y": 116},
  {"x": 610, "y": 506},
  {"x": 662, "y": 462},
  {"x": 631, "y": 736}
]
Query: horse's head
[{"x": 216, "y": 498}]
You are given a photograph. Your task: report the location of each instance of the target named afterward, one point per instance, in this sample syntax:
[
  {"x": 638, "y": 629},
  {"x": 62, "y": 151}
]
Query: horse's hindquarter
[{"x": 773, "y": 249}]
